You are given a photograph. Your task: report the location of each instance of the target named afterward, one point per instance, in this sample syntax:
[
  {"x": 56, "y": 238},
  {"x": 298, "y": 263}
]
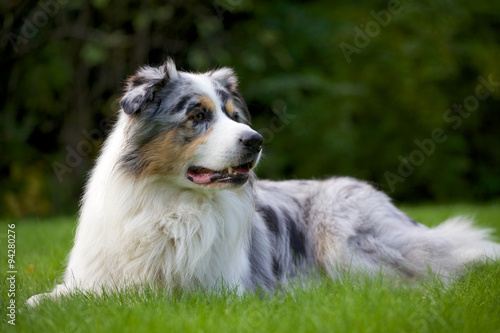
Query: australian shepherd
[{"x": 173, "y": 201}]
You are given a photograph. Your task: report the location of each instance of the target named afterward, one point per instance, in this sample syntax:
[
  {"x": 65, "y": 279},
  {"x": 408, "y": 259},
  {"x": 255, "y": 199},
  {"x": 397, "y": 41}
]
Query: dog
[{"x": 173, "y": 201}]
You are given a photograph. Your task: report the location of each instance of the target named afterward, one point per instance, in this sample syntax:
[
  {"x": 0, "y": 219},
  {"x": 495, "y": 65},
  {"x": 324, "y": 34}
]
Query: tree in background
[{"x": 403, "y": 94}]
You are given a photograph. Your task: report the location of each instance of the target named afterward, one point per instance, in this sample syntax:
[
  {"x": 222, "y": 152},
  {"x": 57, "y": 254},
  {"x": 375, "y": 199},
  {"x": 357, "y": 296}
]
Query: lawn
[{"x": 471, "y": 304}]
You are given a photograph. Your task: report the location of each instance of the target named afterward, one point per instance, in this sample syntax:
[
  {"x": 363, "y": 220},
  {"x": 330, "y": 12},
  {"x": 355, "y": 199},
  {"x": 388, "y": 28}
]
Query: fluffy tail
[
  {"x": 461, "y": 243},
  {"x": 470, "y": 242}
]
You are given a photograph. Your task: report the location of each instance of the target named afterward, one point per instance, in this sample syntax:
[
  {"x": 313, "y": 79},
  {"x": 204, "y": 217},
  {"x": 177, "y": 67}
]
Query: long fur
[{"x": 148, "y": 217}]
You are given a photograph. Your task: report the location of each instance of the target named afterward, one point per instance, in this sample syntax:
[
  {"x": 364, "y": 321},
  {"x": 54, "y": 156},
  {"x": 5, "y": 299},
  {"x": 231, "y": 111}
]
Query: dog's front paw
[{"x": 35, "y": 300}]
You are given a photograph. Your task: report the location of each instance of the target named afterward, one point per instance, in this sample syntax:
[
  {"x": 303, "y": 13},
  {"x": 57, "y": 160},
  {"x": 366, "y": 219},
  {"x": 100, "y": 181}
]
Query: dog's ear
[
  {"x": 141, "y": 87},
  {"x": 227, "y": 78}
]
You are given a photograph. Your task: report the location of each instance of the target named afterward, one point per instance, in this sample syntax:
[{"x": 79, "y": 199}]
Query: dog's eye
[
  {"x": 199, "y": 115},
  {"x": 236, "y": 117}
]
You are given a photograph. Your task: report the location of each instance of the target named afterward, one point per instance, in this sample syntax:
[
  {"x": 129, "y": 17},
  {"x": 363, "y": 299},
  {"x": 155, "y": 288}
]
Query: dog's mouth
[{"x": 237, "y": 175}]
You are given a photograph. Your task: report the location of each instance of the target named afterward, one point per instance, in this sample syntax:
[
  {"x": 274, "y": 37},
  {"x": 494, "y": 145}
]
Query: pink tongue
[{"x": 200, "y": 178}]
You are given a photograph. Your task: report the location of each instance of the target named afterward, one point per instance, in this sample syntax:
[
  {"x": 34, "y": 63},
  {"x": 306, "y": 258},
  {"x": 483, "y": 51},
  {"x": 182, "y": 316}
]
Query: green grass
[{"x": 472, "y": 304}]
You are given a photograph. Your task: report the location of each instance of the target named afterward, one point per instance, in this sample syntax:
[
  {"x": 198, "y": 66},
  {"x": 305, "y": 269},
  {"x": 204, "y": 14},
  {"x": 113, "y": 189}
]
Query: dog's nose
[{"x": 252, "y": 142}]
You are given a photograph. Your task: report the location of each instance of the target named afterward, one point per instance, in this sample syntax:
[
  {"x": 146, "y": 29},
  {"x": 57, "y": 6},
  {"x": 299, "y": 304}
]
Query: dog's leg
[
  {"x": 354, "y": 228},
  {"x": 59, "y": 290}
]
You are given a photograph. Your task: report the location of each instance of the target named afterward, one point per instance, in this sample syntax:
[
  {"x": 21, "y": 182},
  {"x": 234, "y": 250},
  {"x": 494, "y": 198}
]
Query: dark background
[{"x": 336, "y": 87}]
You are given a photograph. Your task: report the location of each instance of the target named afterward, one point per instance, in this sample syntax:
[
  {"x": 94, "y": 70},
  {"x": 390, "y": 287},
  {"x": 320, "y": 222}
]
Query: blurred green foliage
[{"x": 323, "y": 110}]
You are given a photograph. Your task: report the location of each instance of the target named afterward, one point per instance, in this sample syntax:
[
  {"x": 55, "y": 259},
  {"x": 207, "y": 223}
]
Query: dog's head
[{"x": 191, "y": 128}]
